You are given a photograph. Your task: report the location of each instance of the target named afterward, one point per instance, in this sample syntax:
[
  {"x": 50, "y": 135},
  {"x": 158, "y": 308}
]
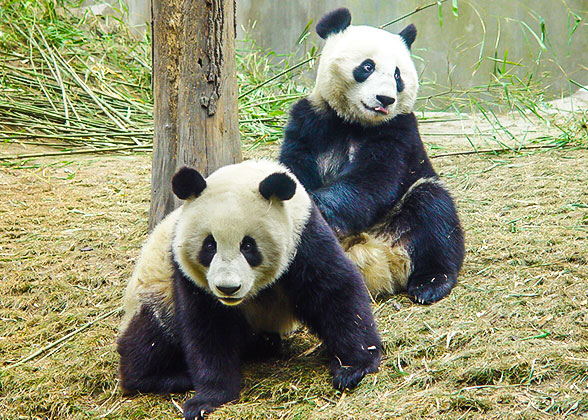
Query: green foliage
[
  {"x": 81, "y": 83},
  {"x": 268, "y": 85},
  {"x": 72, "y": 81}
]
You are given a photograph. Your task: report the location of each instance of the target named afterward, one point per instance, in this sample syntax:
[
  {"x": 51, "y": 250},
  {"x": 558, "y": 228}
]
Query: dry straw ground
[{"x": 511, "y": 341}]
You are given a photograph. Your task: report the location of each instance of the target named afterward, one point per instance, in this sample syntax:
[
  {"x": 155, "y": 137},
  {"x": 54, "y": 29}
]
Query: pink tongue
[{"x": 381, "y": 110}]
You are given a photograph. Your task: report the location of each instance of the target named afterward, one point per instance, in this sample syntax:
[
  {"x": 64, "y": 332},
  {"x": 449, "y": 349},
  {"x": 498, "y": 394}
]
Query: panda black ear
[
  {"x": 279, "y": 184},
  {"x": 333, "y": 22},
  {"x": 188, "y": 182},
  {"x": 409, "y": 34}
]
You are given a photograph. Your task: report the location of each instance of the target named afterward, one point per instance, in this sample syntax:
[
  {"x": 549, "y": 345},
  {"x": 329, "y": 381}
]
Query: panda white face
[
  {"x": 367, "y": 75},
  {"x": 229, "y": 265},
  {"x": 240, "y": 231}
]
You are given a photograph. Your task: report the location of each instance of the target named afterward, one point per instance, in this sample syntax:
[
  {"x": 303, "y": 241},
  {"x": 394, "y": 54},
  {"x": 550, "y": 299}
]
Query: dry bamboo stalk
[
  {"x": 62, "y": 339},
  {"x": 77, "y": 152}
]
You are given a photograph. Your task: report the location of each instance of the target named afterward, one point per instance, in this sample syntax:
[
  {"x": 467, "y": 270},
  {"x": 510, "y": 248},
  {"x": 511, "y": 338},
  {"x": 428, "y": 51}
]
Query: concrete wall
[{"x": 449, "y": 53}]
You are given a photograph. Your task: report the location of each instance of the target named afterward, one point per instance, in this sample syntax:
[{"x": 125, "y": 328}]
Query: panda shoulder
[
  {"x": 409, "y": 126},
  {"x": 302, "y": 109},
  {"x": 151, "y": 282},
  {"x": 318, "y": 250},
  {"x": 154, "y": 270},
  {"x": 305, "y": 120}
]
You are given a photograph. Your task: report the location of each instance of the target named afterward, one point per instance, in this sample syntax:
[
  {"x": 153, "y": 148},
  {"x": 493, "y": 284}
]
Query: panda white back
[{"x": 151, "y": 281}]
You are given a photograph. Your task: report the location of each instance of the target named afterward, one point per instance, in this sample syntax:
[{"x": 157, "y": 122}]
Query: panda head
[
  {"x": 365, "y": 74},
  {"x": 238, "y": 229}
]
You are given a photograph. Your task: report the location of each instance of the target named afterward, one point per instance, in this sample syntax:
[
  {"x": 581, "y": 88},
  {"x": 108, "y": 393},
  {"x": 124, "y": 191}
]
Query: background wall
[
  {"x": 449, "y": 54},
  {"x": 462, "y": 52}
]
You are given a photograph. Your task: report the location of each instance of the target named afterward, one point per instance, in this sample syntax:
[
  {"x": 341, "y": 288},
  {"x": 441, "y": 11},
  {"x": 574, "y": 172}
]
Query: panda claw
[
  {"x": 196, "y": 409},
  {"x": 348, "y": 378}
]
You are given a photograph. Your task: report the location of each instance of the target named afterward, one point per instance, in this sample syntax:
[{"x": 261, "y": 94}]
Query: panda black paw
[
  {"x": 430, "y": 289},
  {"x": 348, "y": 377},
  {"x": 196, "y": 409}
]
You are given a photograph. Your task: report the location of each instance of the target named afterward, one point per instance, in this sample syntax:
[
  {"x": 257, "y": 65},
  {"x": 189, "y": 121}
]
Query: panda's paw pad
[
  {"x": 348, "y": 377},
  {"x": 196, "y": 409}
]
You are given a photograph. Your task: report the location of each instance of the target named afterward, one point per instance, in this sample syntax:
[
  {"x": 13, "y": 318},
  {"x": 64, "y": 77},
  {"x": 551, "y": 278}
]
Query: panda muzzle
[{"x": 379, "y": 109}]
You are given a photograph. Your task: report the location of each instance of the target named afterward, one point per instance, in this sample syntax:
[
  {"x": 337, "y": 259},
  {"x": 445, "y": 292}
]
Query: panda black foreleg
[
  {"x": 150, "y": 359},
  {"x": 212, "y": 336},
  {"x": 328, "y": 295},
  {"x": 428, "y": 226}
]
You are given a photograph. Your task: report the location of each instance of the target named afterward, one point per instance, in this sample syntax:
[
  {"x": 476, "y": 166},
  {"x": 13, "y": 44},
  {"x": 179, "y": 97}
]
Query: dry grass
[{"x": 510, "y": 342}]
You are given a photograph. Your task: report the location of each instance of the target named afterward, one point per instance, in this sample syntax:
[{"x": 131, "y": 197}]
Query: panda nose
[
  {"x": 228, "y": 290},
  {"x": 385, "y": 100}
]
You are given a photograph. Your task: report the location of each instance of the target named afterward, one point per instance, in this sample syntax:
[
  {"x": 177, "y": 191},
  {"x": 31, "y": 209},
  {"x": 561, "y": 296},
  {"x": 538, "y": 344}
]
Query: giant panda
[
  {"x": 242, "y": 261},
  {"x": 355, "y": 146}
]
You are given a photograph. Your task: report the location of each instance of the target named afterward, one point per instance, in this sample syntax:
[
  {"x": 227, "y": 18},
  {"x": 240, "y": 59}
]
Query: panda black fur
[
  {"x": 245, "y": 258},
  {"x": 355, "y": 146}
]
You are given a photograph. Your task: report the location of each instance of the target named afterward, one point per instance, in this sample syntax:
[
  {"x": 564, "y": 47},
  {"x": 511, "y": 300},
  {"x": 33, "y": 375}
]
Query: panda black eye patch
[
  {"x": 207, "y": 251},
  {"x": 363, "y": 71},
  {"x": 250, "y": 251},
  {"x": 399, "y": 82}
]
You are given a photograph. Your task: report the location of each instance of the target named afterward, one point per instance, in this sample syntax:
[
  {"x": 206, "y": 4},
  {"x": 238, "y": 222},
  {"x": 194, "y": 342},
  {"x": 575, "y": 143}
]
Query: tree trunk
[{"x": 195, "y": 93}]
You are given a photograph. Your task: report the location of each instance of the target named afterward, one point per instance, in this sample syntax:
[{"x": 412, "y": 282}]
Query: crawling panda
[
  {"x": 355, "y": 146},
  {"x": 245, "y": 258}
]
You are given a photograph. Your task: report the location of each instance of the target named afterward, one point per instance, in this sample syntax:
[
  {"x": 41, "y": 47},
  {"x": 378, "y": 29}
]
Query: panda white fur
[
  {"x": 244, "y": 259},
  {"x": 354, "y": 145},
  {"x": 365, "y": 74}
]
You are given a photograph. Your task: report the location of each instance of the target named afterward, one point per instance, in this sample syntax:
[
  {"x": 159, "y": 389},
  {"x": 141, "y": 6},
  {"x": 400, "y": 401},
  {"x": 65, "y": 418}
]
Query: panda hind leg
[
  {"x": 150, "y": 360},
  {"x": 384, "y": 266},
  {"x": 426, "y": 223}
]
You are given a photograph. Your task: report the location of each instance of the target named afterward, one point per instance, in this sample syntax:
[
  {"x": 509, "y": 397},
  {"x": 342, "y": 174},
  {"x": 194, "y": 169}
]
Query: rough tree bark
[{"x": 195, "y": 93}]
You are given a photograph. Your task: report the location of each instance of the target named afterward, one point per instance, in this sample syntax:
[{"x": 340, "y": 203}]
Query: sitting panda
[
  {"x": 355, "y": 146},
  {"x": 245, "y": 258}
]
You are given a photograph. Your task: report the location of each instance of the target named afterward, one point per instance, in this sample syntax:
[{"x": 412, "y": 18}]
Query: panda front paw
[
  {"x": 348, "y": 377},
  {"x": 430, "y": 289},
  {"x": 196, "y": 409},
  {"x": 206, "y": 399}
]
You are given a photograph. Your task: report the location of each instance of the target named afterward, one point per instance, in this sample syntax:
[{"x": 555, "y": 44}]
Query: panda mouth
[
  {"x": 377, "y": 109},
  {"x": 230, "y": 301}
]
